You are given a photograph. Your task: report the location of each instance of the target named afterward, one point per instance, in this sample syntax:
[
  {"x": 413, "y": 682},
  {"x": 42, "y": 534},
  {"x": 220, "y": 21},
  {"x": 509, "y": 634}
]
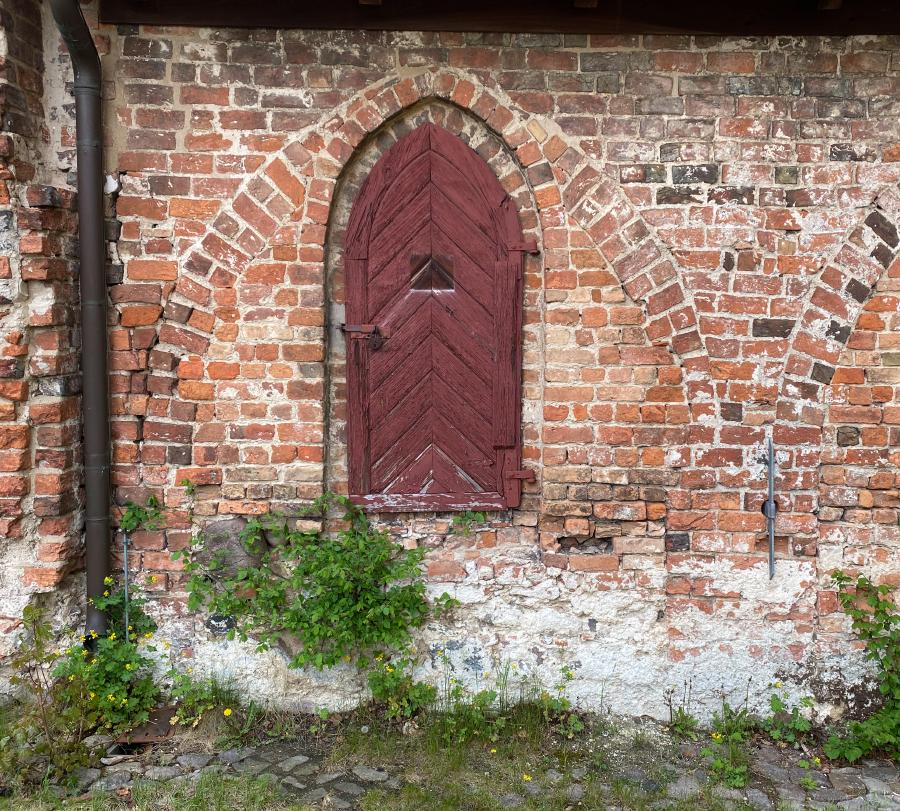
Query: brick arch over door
[
  {"x": 289, "y": 197},
  {"x": 283, "y": 210}
]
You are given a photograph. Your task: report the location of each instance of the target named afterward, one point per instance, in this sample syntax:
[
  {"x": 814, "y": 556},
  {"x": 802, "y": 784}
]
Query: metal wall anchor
[{"x": 770, "y": 508}]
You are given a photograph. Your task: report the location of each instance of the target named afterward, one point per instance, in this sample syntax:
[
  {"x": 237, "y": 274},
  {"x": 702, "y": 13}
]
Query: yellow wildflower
[
  {"x": 91, "y": 695},
  {"x": 717, "y": 736},
  {"x": 148, "y": 635},
  {"x": 526, "y": 778},
  {"x": 112, "y": 634},
  {"x": 493, "y": 751},
  {"x": 152, "y": 579},
  {"x": 227, "y": 712},
  {"x": 72, "y": 677},
  {"x": 106, "y": 593},
  {"x": 93, "y": 634},
  {"x": 129, "y": 666},
  {"x": 83, "y": 638},
  {"x": 107, "y": 581},
  {"x": 110, "y": 697}
]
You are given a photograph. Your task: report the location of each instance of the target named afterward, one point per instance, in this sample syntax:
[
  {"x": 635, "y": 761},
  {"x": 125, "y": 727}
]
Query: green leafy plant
[
  {"x": 117, "y": 672},
  {"x": 195, "y": 698},
  {"x": 683, "y": 724},
  {"x": 318, "y": 726},
  {"x": 556, "y": 706},
  {"x": 465, "y": 717},
  {"x": 105, "y": 684},
  {"x": 393, "y": 686},
  {"x": 787, "y": 724},
  {"x": 808, "y": 783},
  {"x": 242, "y": 723},
  {"x": 136, "y": 516},
  {"x": 463, "y": 522},
  {"x": 341, "y": 596},
  {"x": 56, "y": 713},
  {"x": 460, "y": 716},
  {"x": 732, "y": 724},
  {"x": 728, "y": 762},
  {"x": 876, "y": 621},
  {"x": 727, "y": 754},
  {"x": 444, "y": 605}
]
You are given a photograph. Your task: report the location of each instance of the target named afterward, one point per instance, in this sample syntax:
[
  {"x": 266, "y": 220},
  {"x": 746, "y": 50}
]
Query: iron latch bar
[
  {"x": 525, "y": 475},
  {"x": 770, "y": 508},
  {"x": 365, "y": 332},
  {"x": 528, "y": 246}
]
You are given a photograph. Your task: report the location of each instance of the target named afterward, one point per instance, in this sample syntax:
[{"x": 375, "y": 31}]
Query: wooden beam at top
[
  {"x": 761, "y": 17},
  {"x": 586, "y": 3}
]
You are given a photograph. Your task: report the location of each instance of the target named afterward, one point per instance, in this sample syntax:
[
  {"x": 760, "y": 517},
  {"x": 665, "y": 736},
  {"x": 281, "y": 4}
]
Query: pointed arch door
[{"x": 434, "y": 262}]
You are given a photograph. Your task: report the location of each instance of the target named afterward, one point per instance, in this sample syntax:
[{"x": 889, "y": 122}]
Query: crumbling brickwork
[
  {"x": 716, "y": 221},
  {"x": 39, "y": 382}
]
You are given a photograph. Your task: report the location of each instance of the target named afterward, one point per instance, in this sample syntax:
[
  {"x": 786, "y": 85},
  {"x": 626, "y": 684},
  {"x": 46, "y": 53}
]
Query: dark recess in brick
[
  {"x": 733, "y": 412},
  {"x": 787, "y": 175},
  {"x": 678, "y": 542},
  {"x": 847, "y": 435}
]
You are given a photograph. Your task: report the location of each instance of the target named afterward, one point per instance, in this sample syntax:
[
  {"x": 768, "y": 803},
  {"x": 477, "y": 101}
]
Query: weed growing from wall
[
  {"x": 342, "y": 597},
  {"x": 876, "y": 621},
  {"x": 74, "y": 691}
]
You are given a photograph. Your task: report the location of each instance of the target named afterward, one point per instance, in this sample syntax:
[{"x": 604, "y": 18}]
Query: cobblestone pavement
[
  {"x": 778, "y": 782},
  {"x": 305, "y": 776}
]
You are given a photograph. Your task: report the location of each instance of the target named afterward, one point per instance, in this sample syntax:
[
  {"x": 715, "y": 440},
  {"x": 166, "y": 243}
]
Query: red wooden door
[{"x": 434, "y": 263}]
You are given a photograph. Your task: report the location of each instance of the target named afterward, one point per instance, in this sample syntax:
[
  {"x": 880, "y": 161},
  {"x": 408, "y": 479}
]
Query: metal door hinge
[
  {"x": 365, "y": 332},
  {"x": 528, "y": 246}
]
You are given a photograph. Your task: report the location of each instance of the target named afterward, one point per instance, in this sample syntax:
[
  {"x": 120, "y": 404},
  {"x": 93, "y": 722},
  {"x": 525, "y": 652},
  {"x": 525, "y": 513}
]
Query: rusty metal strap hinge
[
  {"x": 366, "y": 332},
  {"x": 524, "y": 475},
  {"x": 528, "y": 246}
]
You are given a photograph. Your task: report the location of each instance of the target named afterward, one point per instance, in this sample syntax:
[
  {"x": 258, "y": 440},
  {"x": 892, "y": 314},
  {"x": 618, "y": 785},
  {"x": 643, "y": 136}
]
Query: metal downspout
[{"x": 92, "y": 256}]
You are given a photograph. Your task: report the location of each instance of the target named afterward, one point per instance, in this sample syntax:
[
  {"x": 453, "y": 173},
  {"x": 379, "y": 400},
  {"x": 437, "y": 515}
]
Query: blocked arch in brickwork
[
  {"x": 290, "y": 197},
  {"x": 833, "y": 307}
]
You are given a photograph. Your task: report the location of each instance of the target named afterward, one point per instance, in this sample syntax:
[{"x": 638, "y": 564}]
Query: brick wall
[
  {"x": 717, "y": 225},
  {"x": 39, "y": 381}
]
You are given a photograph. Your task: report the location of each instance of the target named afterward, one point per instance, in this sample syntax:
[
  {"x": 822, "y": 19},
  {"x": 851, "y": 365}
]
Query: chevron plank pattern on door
[{"x": 434, "y": 262}]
